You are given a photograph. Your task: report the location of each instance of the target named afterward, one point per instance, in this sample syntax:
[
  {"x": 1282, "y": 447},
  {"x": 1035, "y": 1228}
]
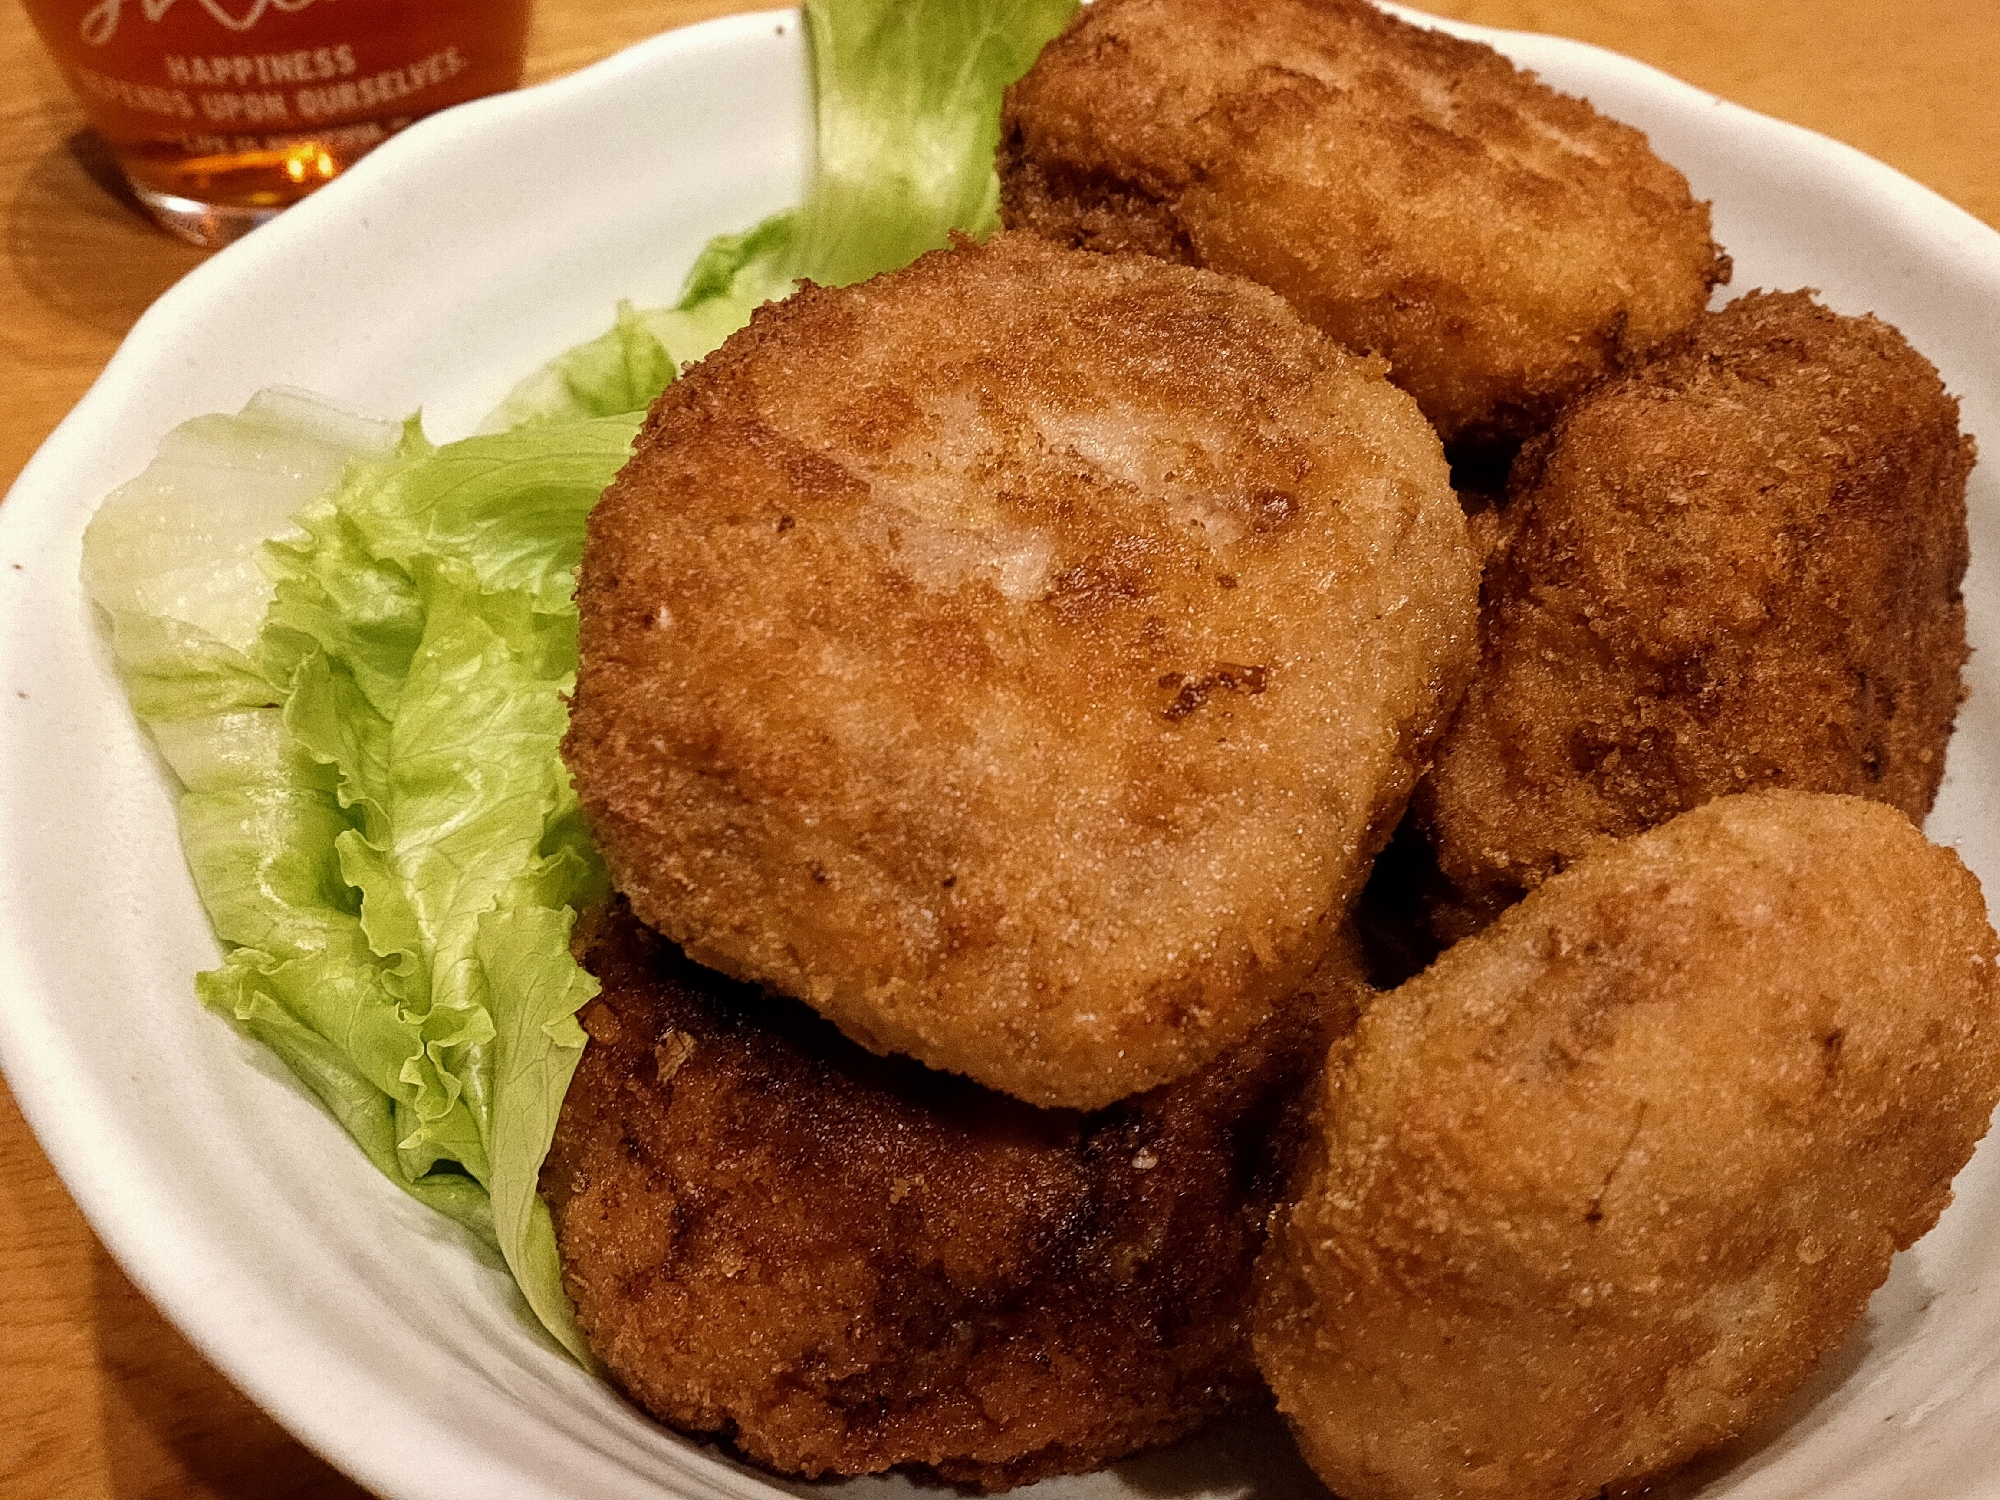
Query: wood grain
[{"x": 100, "y": 1399}]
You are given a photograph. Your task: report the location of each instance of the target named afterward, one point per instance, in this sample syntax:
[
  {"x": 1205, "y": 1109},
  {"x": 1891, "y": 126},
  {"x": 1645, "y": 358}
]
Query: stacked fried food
[
  {"x": 1736, "y": 566},
  {"x": 1411, "y": 194},
  {"x": 1600, "y": 1186},
  {"x": 1020, "y": 657},
  {"x": 1004, "y": 674},
  {"x": 844, "y": 1262}
]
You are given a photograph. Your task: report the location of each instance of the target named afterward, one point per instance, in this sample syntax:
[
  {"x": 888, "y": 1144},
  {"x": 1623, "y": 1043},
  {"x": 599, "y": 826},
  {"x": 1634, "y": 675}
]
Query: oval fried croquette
[
  {"x": 1019, "y": 657},
  {"x": 1410, "y": 193},
  {"x": 1735, "y": 567},
  {"x": 841, "y": 1262},
  {"x": 1600, "y": 1187}
]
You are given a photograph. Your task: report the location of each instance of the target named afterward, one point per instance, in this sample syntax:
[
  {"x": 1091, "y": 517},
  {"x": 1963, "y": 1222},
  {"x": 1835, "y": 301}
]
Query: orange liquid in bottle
[{"x": 221, "y": 112}]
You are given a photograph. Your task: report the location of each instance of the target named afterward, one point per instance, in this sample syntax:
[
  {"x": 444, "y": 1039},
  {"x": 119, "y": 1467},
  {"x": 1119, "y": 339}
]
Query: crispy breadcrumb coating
[
  {"x": 1601, "y": 1186},
  {"x": 1019, "y": 657},
  {"x": 841, "y": 1262},
  {"x": 1736, "y": 567},
  {"x": 1411, "y": 194}
]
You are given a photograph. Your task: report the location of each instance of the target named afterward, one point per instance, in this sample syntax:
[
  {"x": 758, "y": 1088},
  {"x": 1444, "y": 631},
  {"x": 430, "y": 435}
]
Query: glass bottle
[{"x": 222, "y": 112}]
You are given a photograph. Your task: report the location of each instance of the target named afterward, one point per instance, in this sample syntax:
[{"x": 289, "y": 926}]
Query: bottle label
[
  {"x": 186, "y": 63},
  {"x": 272, "y": 95},
  {"x": 100, "y": 22}
]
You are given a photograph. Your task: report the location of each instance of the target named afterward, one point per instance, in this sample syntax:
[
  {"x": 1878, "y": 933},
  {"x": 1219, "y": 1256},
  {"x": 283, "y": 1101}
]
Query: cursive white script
[{"x": 100, "y": 22}]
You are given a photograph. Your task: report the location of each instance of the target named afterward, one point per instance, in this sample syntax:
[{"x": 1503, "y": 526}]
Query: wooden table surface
[{"x": 99, "y": 1396}]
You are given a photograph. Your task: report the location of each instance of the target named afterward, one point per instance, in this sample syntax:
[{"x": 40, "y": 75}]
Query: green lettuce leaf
[
  {"x": 623, "y": 369},
  {"x": 907, "y": 119},
  {"x": 907, "y": 116},
  {"x": 374, "y": 808}
]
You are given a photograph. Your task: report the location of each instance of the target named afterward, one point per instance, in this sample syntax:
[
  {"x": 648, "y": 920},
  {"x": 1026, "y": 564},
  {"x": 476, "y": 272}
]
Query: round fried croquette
[
  {"x": 1600, "y": 1187},
  {"x": 840, "y": 1262},
  {"x": 1736, "y": 567},
  {"x": 1019, "y": 657},
  {"x": 1411, "y": 194}
]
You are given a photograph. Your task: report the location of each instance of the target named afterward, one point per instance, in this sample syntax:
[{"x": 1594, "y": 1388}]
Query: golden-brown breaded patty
[
  {"x": 1601, "y": 1186},
  {"x": 1410, "y": 193},
  {"x": 1019, "y": 657},
  {"x": 841, "y": 1262},
  {"x": 1736, "y": 567}
]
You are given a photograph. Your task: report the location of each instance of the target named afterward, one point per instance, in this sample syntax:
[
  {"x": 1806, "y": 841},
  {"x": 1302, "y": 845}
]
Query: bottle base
[{"x": 209, "y": 225}]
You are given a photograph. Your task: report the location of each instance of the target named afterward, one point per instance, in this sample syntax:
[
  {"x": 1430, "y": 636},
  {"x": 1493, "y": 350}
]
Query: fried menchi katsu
[
  {"x": 1410, "y": 193},
  {"x": 1019, "y": 658},
  {"x": 1600, "y": 1187},
  {"x": 840, "y": 1262},
  {"x": 1736, "y": 567}
]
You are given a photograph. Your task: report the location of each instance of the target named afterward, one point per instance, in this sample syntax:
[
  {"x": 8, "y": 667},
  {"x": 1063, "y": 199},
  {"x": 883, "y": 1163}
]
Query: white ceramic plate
[{"x": 453, "y": 261}]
